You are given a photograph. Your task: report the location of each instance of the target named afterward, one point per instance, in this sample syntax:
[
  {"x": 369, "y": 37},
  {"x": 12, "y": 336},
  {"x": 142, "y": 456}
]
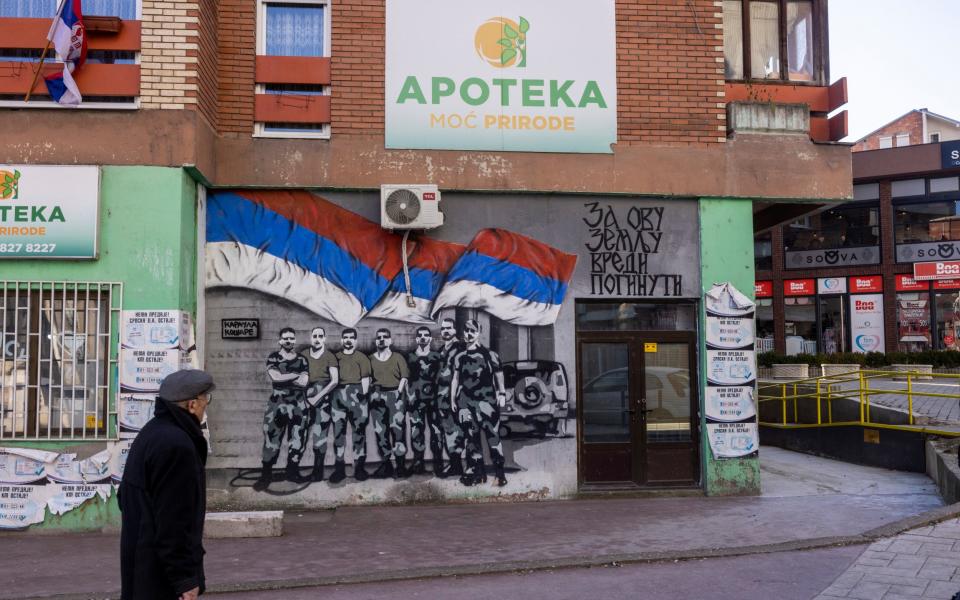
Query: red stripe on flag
[
  {"x": 526, "y": 252},
  {"x": 435, "y": 255}
]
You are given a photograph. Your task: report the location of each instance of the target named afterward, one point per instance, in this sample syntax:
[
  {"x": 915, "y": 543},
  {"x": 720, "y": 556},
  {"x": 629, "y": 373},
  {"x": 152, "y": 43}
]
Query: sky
[{"x": 897, "y": 56}]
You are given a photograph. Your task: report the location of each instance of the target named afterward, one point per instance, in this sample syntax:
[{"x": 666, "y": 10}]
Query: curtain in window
[
  {"x": 125, "y": 9},
  {"x": 294, "y": 30},
  {"x": 800, "y": 40},
  {"x": 733, "y": 39},
  {"x": 764, "y": 40}
]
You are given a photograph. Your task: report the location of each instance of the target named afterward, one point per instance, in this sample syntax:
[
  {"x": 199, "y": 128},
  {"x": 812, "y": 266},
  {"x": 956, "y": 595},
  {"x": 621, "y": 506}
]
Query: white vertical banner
[{"x": 866, "y": 323}]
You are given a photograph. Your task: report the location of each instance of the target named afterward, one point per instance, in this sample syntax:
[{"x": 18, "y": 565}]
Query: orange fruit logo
[
  {"x": 502, "y": 42},
  {"x": 9, "y": 185}
]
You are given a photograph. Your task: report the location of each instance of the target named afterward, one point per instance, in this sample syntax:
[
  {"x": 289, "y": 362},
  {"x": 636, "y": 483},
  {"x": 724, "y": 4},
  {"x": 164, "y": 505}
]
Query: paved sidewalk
[
  {"x": 808, "y": 502},
  {"x": 922, "y": 563}
]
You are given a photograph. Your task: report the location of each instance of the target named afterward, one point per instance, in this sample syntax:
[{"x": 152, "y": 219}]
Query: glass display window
[
  {"x": 927, "y": 221},
  {"x": 947, "y": 310},
  {"x": 764, "y": 324},
  {"x": 833, "y": 325},
  {"x": 800, "y": 325},
  {"x": 841, "y": 227},
  {"x": 913, "y": 322}
]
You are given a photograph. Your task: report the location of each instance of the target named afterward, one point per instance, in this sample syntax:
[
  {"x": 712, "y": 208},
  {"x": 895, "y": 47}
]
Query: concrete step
[{"x": 251, "y": 524}]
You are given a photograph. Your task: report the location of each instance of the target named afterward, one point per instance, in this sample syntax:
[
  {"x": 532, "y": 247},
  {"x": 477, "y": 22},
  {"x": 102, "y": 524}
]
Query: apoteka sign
[
  {"x": 49, "y": 211},
  {"x": 517, "y": 76}
]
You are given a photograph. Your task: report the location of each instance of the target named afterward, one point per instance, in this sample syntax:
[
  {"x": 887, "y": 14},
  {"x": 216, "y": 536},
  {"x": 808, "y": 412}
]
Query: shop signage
[
  {"x": 763, "y": 289},
  {"x": 946, "y": 269},
  {"x": 950, "y": 154},
  {"x": 240, "y": 329},
  {"x": 799, "y": 287},
  {"x": 49, "y": 211},
  {"x": 927, "y": 251},
  {"x": 866, "y": 322},
  {"x": 831, "y": 285},
  {"x": 946, "y": 284},
  {"x": 530, "y": 79},
  {"x": 835, "y": 257},
  {"x": 869, "y": 283},
  {"x": 906, "y": 283}
]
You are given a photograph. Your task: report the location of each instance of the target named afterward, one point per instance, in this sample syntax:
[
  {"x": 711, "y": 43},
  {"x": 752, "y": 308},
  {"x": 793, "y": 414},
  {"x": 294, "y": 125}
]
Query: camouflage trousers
[
  {"x": 388, "y": 409},
  {"x": 286, "y": 412},
  {"x": 422, "y": 408},
  {"x": 320, "y": 419},
  {"x": 348, "y": 406},
  {"x": 480, "y": 416},
  {"x": 453, "y": 439}
]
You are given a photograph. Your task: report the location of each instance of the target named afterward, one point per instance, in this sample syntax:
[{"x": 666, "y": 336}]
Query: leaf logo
[
  {"x": 502, "y": 42},
  {"x": 9, "y": 185}
]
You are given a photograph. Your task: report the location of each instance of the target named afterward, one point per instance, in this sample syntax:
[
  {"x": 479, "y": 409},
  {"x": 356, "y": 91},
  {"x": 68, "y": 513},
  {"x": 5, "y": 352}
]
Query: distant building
[{"x": 919, "y": 126}]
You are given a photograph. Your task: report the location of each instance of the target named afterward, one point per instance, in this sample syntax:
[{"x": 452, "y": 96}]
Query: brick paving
[{"x": 921, "y": 563}]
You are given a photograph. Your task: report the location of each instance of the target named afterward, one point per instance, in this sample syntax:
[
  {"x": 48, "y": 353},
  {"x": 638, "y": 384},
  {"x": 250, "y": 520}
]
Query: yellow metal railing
[{"x": 855, "y": 385}]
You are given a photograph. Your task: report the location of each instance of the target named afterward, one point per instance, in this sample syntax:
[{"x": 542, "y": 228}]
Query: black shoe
[
  {"x": 468, "y": 479},
  {"x": 454, "y": 468},
  {"x": 401, "y": 472},
  {"x": 384, "y": 471},
  {"x": 339, "y": 473},
  {"x": 481, "y": 473},
  {"x": 499, "y": 479},
  {"x": 266, "y": 476},
  {"x": 317, "y": 473},
  {"x": 359, "y": 470},
  {"x": 418, "y": 467},
  {"x": 293, "y": 474}
]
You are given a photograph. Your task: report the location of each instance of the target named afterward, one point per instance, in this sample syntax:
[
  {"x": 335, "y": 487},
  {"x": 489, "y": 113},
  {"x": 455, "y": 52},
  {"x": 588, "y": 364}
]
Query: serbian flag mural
[
  {"x": 297, "y": 246},
  {"x": 429, "y": 262},
  {"x": 68, "y": 38},
  {"x": 512, "y": 277}
]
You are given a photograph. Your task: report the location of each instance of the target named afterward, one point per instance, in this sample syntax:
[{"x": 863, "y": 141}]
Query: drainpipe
[{"x": 925, "y": 138}]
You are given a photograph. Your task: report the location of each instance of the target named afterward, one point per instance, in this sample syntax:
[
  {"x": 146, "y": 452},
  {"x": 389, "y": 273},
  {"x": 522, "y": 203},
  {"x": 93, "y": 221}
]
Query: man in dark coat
[{"x": 163, "y": 495}]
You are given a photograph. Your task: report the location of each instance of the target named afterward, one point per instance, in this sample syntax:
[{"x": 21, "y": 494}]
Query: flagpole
[{"x": 36, "y": 74}]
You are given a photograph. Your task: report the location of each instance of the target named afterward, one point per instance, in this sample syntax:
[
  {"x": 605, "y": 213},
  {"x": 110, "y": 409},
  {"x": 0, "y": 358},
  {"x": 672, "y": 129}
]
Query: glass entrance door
[{"x": 638, "y": 411}]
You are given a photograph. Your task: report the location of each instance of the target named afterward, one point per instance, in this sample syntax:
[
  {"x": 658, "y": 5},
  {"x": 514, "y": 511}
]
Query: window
[
  {"x": 125, "y": 9},
  {"x": 763, "y": 252},
  {"x": 886, "y": 141},
  {"x": 842, "y": 227},
  {"x": 800, "y": 325},
  {"x": 913, "y": 321},
  {"x": 57, "y": 358},
  {"x": 927, "y": 221},
  {"x": 773, "y": 40},
  {"x": 903, "y": 139},
  {"x": 934, "y": 137},
  {"x": 948, "y": 320},
  {"x": 293, "y": 28},
  {"x": 765, "y": 324}
]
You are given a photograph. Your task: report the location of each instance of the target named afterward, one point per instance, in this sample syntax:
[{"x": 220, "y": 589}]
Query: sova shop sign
[
  {"x": 466, "y": 76},
  {"x": 49, "y": 211}
]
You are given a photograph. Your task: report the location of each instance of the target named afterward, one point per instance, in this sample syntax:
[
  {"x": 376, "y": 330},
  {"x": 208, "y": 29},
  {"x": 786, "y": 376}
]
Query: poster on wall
[
  {"x": 156, "y": 329},
  {"x": 730, "y": 395},
  {"x": 520, "y": 76},
  {"x": 866, "y": 323},
  {"x": 49, "y": 212}
]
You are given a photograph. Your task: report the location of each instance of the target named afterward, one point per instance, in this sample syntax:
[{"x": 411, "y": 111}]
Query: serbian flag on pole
[
  {"x": 429, "y": 262},
  {"x": 300, "y": 247},
  {"x": 512, "y": 277},
  {"x": 68, "y": 37}
]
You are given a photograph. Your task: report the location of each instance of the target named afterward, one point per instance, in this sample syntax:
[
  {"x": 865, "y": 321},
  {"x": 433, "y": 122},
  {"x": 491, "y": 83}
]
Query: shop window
[
  {"x": 842, "y": 227},
  {"x": 948, "y": 319},
  {"x": 57, "y": 357},
  {"x": 833, "y": 324},
  {"x": 800, "y": 325},
  {"x": 913, "y": 322},
  {"x": 927, "y": 221},
  {"x": 764, "y": 324},
  {"x": 293, "y": 28},
  {"x": 763, "y": 252},
  {"x": 772, "y": 39}
]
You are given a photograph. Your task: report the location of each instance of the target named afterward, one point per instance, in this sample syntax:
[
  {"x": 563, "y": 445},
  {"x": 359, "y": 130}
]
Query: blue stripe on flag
[
  {"x": 56, "y": 87},
  {"x": 511, "y": 278},
  {"x": 423, "y": 283},
  {"x": 231, "y": 218},
  {"x": 68, "y": 16}
]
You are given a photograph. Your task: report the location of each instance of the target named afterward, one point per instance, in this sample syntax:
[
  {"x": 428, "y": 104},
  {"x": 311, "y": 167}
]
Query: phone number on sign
[{"x": 29, "y": 248}]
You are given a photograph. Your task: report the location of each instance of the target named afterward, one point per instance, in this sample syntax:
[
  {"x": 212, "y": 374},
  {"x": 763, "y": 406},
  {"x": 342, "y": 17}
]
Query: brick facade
[
  {"x": 237, "y": 63},
  {"x": 169, "y": 51},
  {"x": 910, "y": 123}
]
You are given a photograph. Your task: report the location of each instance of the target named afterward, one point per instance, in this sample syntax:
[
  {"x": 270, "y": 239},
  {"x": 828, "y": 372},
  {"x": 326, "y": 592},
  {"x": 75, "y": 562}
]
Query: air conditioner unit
[{"x": 410, "y": 207}]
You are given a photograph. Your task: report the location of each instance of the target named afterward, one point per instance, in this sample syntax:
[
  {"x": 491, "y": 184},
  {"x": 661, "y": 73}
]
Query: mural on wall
[{"x": 402, "y": 373}]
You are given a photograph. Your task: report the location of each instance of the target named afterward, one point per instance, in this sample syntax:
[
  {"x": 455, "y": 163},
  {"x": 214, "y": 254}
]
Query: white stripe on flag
[
  {"x": 229, "y": 264},
  {"x": 472, "y": 294},
  {"x": 394, "y": 306}
]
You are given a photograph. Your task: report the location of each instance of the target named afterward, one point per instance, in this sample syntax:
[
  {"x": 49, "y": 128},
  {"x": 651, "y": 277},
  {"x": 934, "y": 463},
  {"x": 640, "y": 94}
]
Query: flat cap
[{"x": 185, "y": 385}]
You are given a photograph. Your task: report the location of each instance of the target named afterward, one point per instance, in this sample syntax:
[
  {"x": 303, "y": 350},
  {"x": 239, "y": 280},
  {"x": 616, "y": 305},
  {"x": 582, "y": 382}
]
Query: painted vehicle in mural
[{"x": 538, "y": 401}]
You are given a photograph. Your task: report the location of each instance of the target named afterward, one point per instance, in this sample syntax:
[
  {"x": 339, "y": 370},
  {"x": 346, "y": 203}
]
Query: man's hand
[
  {"x": 190, "y": 594},
  {"x": 302, "y": 379},
  {"x": 501, "y": 399}
]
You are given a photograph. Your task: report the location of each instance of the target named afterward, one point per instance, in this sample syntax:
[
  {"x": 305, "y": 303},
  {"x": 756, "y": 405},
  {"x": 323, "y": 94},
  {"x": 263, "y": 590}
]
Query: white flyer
[
  {"x": 731, "y": 367},
  {"x": 733, "y": 403},
  {"x": 732, "y": 440}
]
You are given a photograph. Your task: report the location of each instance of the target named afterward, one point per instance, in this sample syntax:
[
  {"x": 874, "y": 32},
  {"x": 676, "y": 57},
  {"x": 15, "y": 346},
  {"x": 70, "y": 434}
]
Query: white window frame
[
  {"x": 38, "y": 103},
  {"x": 903, "y": 137},
  {"x": 886, "y": 141},
  {"x": 259, "y": 128}
]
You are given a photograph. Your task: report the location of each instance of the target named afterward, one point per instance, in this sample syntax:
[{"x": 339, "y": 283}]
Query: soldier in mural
[
  {"x": 424, "y": 365},
  {"x": 478, "y": 395},
  {"x": 351, "y": 403},
  {"x": 452, "y": 432},
  {"x": 286, "y": 410},
  {"x": 324, "y": 377},
  {"x": 388, "y": 405}
]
